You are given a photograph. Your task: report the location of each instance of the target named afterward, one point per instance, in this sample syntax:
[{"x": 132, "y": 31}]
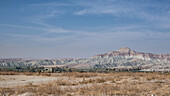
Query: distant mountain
[
  {"x": 122, "y": 58},
  {"x": 128, "y": 53}
]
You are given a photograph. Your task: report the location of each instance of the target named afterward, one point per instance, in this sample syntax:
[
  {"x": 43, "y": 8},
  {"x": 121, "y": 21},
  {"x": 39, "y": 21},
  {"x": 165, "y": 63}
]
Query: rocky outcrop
[
  {"x": 122, "y": 58},
  {"x": 128, "y": 53}
]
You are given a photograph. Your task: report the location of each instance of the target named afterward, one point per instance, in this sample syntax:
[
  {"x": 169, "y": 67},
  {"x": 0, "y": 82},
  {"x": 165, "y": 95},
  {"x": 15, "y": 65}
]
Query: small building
[
  {"x": 51, "y": 69},
  {"x": 48, "y": 69}
]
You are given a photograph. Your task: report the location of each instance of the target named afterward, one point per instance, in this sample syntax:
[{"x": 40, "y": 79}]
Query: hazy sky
[{"x": 82, "y": 28}]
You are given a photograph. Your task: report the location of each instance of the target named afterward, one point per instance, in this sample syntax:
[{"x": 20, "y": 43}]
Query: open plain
[
  {"x": 74, "y": 83},
  {"x": 20, "y": 80}
]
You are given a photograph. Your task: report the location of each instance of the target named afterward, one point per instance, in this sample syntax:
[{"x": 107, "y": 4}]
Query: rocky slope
[
  {"x": 122, "y": 58},
  {"x": 128, "y": 53}
]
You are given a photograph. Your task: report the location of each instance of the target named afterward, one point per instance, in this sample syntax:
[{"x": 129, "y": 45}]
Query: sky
[{"x": 82, "y": 28}]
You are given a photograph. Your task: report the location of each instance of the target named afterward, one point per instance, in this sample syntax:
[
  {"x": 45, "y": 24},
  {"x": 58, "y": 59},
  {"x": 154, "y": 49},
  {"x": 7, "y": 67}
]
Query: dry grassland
[{"x": 73, "y": 84}]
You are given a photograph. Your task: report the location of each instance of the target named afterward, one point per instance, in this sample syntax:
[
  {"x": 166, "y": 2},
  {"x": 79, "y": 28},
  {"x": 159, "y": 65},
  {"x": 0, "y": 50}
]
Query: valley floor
[
  {"x": 20, "y": 80},
  {"x": 73, "y": 84}
]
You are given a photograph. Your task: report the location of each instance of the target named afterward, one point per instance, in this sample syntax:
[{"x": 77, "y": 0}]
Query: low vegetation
[
  {"x": 115, "y": 83},
  {"x": 63, "y": 69}
]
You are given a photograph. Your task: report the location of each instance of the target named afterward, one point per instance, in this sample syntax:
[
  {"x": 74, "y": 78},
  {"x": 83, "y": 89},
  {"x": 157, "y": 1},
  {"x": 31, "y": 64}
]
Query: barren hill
[{"x": 122, "y": 58}]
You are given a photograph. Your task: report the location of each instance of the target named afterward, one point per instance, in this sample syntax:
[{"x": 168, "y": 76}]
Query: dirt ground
[
  {"x": 76, "y": 84},
  {"x": 20, "y": 80}
]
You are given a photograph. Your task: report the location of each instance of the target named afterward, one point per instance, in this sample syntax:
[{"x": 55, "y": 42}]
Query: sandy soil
[
  {"x": 19, "y": 80},
  {"x": 87, "y": 84}
]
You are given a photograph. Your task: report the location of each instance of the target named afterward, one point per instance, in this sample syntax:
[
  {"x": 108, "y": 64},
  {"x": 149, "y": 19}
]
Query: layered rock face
[
  {"x": 122, "y": 58},
  {"x": 127, "y": 58},
  {"x": 128, "y": 53}
]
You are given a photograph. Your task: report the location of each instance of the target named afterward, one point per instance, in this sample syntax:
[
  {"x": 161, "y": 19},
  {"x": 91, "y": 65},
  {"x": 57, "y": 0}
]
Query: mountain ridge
[
  {"x": 122, "y": 58},
  {"x": 125, "y": 51}
]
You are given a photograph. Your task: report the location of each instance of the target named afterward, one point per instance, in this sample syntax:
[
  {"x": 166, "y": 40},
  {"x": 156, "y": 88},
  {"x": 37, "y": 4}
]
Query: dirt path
[{"x": 19, "y": 80}]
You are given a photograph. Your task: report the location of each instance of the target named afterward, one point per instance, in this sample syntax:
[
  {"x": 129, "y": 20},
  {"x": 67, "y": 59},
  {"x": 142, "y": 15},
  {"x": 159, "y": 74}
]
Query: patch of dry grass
[
  {"x": 80, "y": 75},
  {"x": 1, "y": 79},
  {"x": 25, "y": 73},
  {"x": 120, "y": 83}
]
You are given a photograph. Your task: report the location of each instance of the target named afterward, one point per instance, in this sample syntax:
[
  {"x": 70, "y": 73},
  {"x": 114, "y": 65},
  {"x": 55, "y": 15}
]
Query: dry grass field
[{"x": 105, "y": 84}]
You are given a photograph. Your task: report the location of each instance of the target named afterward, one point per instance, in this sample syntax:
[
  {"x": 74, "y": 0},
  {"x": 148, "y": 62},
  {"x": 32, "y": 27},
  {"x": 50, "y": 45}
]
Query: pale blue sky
[{"x": 82, "y": 28}]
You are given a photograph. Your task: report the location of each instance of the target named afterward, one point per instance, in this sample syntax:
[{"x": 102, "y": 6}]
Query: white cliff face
[
  {"x": 128, "y": 53},
  {"x": 124, "y": 57},
  {"x": 124, "y": 50}
]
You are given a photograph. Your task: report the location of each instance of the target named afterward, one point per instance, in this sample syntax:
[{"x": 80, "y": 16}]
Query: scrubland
[{"x": 106, "y": 84}]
